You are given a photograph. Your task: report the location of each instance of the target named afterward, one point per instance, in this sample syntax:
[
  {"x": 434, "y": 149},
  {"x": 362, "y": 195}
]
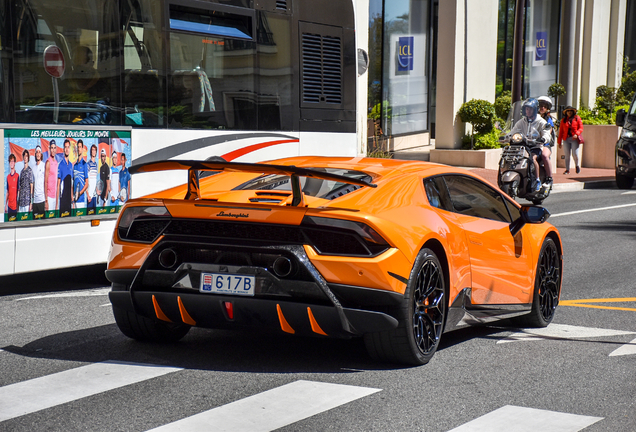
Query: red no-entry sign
[{"x": 54, "y": 61}]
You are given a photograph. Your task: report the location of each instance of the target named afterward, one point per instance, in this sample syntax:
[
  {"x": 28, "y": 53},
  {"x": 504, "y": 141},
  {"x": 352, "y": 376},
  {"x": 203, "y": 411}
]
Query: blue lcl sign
[
  {"x": 405, "y": 53},
  {"x": 541, "y": 49}
]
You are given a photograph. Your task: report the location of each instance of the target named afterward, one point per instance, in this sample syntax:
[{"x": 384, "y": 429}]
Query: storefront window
[
  {"x": 398, "y": 66},
  {"x": 505, "y": 34},
  {"x": 405, "y": 73},
  {"x": 542, "y": 47},
  {"x": 630, "y": 35}
]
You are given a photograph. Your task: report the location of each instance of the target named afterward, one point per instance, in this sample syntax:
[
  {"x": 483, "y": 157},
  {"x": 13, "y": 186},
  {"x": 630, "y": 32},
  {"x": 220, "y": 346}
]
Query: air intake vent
[
  {"x": 322, "y": 69},
  {"x": 281, "y": 4}
]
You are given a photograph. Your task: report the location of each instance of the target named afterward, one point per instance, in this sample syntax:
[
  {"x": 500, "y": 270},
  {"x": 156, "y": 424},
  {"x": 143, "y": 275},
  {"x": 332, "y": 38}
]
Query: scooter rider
[
  {"x": 545, "y": 105},
  {"x": 531, "y": 120}
]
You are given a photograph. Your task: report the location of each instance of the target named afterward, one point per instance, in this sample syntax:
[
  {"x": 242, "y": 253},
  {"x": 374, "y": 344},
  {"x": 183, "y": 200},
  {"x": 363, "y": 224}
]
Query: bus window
[
  {"x": 212, "y": 64},
  {"x": 143, "y": 89},
  {"x": 275, "y": 72},
  {"x": 88, "y": 87}
]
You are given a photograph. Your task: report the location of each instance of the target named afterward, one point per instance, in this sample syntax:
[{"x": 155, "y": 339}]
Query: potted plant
[
  {"x": 554, "y": 91},
  {"x": 480, "y": 147},
  {"x": 481, "y": 116}
]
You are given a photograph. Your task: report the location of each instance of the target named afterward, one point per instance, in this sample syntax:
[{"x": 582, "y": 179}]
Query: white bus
[{"x": 121, "y": 82}]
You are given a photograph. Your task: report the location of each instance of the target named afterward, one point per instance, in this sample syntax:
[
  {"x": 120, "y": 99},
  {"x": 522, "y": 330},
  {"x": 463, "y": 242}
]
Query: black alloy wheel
[
  {"x": 421, "y": 316},
  {"x": 546, "y": 287},
  {"x": 428, "y": 306}
]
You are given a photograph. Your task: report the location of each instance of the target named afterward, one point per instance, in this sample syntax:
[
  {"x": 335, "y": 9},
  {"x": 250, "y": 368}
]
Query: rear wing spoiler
[{"x": 194, "y": 167}]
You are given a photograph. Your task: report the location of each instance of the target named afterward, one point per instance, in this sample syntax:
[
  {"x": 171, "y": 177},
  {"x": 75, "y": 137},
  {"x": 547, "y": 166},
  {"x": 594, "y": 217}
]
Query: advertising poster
[{"x": 65, "y": 173}]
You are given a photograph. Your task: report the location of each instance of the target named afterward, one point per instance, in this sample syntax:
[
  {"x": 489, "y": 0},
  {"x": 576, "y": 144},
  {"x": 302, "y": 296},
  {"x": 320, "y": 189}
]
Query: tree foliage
[
  {"x": 479, "y": 113},
  {"x": 556, "y": 90},
  {"x": 503, "y": 104}
]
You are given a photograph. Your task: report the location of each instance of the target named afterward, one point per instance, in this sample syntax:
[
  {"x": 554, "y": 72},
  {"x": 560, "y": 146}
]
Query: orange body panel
[
  {"x": 366, "y": 272},
  {"x": 127, "y": 255},
  {"x": 239, "y": 212},
  {"x": 453, "y": 238},
  {"x": 501, "y": 265}
]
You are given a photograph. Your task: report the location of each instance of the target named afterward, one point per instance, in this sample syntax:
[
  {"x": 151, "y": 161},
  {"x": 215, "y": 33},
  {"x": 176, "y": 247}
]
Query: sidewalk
[{"x": 589, "y": 178}]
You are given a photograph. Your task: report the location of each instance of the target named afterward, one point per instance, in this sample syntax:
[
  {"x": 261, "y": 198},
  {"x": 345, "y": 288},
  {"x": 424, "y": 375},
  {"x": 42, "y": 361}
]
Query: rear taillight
[
  {"x": 143, "y": 223},
  {"x": 343, "y": 237}
]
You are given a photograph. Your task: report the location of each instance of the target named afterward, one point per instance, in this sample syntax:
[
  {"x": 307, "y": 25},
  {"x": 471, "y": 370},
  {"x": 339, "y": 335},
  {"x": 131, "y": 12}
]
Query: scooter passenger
[
  {"x": 545, "y": 105},
  {"x": 529, "y": 122}
]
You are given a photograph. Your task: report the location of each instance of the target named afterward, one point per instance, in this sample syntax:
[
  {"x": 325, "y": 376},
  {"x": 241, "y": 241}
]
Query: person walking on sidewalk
[{"x": 570, "y": 131}]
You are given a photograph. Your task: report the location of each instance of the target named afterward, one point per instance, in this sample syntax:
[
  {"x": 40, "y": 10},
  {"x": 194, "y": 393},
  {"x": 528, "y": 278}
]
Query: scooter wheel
[{"x": 507, "y": 189}]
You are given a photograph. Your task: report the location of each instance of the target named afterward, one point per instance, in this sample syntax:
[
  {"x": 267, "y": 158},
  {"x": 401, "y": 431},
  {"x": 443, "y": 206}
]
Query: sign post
[{"x": 54, "y": 66}]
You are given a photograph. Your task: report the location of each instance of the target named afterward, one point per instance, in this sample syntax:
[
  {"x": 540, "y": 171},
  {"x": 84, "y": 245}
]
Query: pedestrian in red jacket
[{"x": 570, "y": 131}]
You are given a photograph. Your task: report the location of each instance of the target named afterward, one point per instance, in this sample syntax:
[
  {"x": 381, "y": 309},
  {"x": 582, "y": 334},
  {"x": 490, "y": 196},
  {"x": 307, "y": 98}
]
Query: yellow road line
[{"x": 585, "y": 303}]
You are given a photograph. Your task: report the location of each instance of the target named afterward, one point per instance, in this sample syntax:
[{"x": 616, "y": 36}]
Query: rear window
[{"x": 319, "y": 188}]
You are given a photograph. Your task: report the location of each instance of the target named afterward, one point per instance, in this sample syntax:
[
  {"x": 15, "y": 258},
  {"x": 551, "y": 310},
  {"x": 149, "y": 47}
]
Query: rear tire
[
  {"x": 148, "y": 330},
  {"x": 623, "y": 181},
  {"x": 546, "y": 288},
  {"x": 421, "y": 317}
]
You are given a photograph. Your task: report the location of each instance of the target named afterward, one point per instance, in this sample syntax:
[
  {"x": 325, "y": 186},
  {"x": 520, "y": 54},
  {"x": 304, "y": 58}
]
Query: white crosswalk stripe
[
  {"x": 520, "y": 419},
  {"x": 627, "y": 349},
  {"x": 86, "y": 293},
  {"x": 262, "y": 412},
  {"x": 562, "y": 331},
  {"x": 48, "y": 391},
  {"x": 272, "y": 409}
]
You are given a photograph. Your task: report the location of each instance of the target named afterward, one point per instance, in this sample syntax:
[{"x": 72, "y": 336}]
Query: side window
[
  {"x": 514, "y": 210},
  {"x": 473, "y": 198},
  {"x": 437, "y": 193}
]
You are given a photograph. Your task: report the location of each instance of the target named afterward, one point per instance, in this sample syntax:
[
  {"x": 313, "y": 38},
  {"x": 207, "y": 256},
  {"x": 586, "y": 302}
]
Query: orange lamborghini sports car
[{"x": 395, "y": 252}]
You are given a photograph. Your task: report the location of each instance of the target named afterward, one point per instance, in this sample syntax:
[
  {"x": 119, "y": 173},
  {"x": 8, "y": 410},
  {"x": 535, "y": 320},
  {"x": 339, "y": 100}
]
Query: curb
[{"x": 576, "y": 186}]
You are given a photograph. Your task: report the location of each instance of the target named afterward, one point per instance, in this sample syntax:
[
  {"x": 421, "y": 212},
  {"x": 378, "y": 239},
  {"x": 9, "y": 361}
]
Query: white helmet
[{"x": 545, "y": 101}]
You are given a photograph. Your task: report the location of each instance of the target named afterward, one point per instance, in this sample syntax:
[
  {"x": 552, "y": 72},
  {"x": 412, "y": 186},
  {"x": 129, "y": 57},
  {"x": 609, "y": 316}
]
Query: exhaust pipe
[
  {"x": 167, "y": 258},
  {"x": 282, "y": 267}
]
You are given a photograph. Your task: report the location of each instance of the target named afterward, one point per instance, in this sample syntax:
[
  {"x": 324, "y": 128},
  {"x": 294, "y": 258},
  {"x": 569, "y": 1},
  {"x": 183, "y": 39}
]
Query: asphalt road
[{"x": 66, "y": 367}]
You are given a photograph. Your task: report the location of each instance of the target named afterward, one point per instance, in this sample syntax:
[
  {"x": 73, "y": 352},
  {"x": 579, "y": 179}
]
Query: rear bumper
[
  {"x": 210, "y": 311},
  {"x": 308, "y": 305}
]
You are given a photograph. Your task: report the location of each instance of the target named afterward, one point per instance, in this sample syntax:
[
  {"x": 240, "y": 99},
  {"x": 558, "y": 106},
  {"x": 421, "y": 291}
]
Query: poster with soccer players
[{"x": 64, "y": 173}]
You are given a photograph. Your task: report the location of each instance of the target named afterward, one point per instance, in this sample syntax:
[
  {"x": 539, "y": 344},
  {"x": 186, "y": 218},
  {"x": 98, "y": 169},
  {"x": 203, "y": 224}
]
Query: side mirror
[
  {"x": 620, "y": 117},
  {"x": 363, "y": 61},
  {"x": 529, "y": 214}
]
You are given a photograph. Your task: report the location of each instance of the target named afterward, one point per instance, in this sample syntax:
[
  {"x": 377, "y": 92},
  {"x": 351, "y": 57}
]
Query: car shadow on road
[
  {"x": 217, "y": 350},
  {"x": 625, "y": 227},
  {"x": 465, "y": 334},
  {"x": 224, "y": 350}
]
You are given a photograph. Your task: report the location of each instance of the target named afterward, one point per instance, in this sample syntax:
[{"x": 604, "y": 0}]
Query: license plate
[{"x": 223, "y": 283}]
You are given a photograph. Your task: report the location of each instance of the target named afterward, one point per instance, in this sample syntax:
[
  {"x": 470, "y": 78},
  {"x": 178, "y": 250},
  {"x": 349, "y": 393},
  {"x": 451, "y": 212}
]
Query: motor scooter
[{"x": 516, "y": 168}]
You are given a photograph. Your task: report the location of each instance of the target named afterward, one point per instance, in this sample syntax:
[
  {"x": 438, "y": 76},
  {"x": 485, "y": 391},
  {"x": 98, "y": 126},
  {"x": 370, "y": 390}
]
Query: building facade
[{"x": 428, "y": 57}]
